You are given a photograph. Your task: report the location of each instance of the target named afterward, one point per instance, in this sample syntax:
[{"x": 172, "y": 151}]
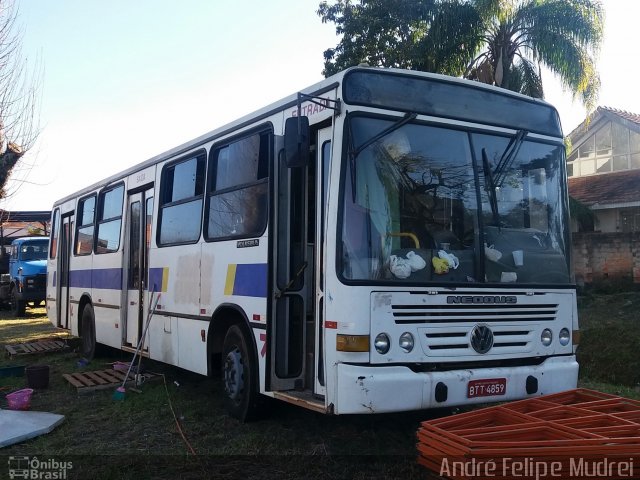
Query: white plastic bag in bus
[
  {"x": 491, "y": 253},
  {"x": 399, "y": 267},
  {"x": 451, "y": 259},
  {"x": 415, "y": 261}
]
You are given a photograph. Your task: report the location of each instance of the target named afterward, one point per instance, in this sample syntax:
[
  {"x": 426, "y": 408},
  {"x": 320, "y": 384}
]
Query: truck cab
[{"x": 27, "y": 277}]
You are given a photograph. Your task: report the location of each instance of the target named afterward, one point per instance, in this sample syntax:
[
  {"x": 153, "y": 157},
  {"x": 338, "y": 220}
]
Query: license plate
[{"x": 487, "y": 388}]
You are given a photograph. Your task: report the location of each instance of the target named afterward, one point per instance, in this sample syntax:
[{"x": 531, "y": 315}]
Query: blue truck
[{"x": 26, "y": 281}]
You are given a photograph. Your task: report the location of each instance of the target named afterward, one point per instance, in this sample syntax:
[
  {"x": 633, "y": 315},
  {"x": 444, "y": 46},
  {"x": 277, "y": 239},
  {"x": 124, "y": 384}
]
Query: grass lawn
[
  {"x": 138, "y": 437},
  {"x": 141, "y": 432}
]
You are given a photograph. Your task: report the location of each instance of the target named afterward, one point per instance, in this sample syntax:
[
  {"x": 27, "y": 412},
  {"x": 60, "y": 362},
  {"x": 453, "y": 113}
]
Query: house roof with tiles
[
  {"x": 601, "y": 114},
  {"x": 610, "y": 190}
]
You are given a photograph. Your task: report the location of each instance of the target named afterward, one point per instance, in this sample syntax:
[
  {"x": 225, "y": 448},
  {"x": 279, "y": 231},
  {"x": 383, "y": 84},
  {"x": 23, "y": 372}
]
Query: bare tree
[{"x": 19, "y": 95}]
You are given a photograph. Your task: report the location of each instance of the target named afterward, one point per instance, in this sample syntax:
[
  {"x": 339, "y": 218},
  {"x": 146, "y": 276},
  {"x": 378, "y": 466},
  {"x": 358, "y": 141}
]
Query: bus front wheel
[
  {"x": 88, "y": 343},
  {"x": 239, "y": 376}
]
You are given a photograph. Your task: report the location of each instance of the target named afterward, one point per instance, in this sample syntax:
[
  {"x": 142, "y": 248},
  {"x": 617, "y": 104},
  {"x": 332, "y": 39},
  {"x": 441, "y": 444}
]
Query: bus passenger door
[
  {"x": 288, "y": 268},
  {"x": 323, "y": 160},
  {"x": 136, "y": 261},
  {"x": 64, "y": 255}
]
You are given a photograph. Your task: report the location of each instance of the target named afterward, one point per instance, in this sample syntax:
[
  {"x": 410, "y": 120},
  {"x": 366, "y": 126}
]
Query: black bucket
[{"x": 37, "y": 376}]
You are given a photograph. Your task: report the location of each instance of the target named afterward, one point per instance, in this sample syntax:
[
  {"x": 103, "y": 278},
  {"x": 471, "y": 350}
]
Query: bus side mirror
[{"x": 296, "y": 141}]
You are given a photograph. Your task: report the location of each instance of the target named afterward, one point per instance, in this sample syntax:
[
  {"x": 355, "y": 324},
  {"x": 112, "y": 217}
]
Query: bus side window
[
  {"x": 53, "y": 244},
  {"x": 84, "y": 233},
  {"x": 237, "y": 192},
  {"x": 182, "y": 190},
  {"x": 109, "y": 220}
]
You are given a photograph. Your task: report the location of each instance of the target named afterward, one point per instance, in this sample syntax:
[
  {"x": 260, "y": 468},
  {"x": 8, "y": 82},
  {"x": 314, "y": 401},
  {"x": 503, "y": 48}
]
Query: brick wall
[{"x": 606, "y": 257}]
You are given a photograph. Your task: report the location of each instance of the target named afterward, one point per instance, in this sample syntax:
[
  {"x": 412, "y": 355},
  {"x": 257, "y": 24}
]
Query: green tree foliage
[{"x": 500, "y": 42}]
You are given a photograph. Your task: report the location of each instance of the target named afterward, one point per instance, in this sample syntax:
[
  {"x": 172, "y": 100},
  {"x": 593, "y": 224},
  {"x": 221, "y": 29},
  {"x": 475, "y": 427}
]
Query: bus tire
[
  {"x": 239, "y": 376},
  {"x": 17, "y": 306},
  {"x": 88, "y": 337}
]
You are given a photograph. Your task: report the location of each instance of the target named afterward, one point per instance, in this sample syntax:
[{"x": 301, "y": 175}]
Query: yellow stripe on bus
[
  {"x": 165, "y": 279},
  {"x": 231, "y": 278}
]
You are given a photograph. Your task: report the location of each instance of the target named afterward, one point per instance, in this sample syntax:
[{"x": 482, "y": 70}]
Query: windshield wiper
[
  {"x": 494, "y": 179},
  {"x": 391, "y": 128},
  {"x": 354, "y": 152},
  {"x": 508, "y": 156},
  {"x": 490, "y": 187}
]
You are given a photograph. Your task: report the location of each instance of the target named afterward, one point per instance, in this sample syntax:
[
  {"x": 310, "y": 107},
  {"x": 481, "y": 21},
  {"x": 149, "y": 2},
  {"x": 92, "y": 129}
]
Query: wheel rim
[{"x": 234, "y": 374}]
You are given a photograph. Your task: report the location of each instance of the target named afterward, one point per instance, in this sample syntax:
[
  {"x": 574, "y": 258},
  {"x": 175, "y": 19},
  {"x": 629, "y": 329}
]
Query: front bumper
[
  {"x": 31, "y": 295},
  {"x": 365, "y": 389}
]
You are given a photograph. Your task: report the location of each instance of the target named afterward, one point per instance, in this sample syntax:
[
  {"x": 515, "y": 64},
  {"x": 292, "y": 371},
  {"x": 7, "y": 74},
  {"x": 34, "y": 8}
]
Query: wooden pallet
[
  {"x": 87, "y": 382},
  {"x": 31, "y": 348}
]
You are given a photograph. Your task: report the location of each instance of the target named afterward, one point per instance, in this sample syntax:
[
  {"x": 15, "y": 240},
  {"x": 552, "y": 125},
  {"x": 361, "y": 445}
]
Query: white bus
[{"x": 382, "y": 241}]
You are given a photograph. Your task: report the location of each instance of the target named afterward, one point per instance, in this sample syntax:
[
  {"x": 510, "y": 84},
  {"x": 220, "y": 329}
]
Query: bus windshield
[{"x": 415, "y": 210}]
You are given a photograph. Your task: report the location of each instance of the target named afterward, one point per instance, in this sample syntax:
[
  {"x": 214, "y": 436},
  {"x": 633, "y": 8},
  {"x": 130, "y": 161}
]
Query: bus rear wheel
[
  {"x": 239, "y": 376},
  {"x": 88, "y": 343}
]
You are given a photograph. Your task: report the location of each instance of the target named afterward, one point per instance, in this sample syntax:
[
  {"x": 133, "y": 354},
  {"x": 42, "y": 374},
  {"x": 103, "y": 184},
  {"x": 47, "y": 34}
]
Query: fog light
[
  {"x": 382, "y": 343},
  {"x": 564, "y": 337},
  {"x": 406, "y": 342},
  {"x": 547, "y": 337}
]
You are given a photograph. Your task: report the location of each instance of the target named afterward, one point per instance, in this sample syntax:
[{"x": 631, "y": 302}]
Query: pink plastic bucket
[{"x": 20, "y": 400}]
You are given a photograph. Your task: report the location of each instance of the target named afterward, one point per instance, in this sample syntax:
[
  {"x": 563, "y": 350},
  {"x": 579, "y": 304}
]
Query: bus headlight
[
  {"x": 564, "y": 337},
  {"x": 547, "y": 337},
  {"x": 406, "y": 342},
  {"x": 382, "y": 343}
]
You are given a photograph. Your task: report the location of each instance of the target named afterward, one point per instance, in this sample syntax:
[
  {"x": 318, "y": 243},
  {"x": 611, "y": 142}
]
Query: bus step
[
  {"x": 130, "y": 349},
  {"x": 304, "y": 399}
]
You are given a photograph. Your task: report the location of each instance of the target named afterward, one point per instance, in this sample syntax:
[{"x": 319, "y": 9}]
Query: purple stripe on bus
[
  {"x": 251, "y": 280},
  {"x": 155, "y": 279},
  {"x": 104, "y": 278}
]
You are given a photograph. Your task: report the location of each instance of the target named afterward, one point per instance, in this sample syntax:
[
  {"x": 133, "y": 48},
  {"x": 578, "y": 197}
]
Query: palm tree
[
  {"x": 501, "y": 42},
  {"x": 519, "y": 36}
]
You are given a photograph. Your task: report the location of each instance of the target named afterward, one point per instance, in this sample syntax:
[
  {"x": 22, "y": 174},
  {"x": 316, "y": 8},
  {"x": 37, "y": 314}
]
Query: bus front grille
[{"x": 443, "y": 313}]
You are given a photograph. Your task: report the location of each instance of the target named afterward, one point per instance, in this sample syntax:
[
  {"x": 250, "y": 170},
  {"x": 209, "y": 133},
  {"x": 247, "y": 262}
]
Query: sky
[{"x": 122, "y": 81}]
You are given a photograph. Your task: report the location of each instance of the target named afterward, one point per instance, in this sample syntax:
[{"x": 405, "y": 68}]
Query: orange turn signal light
[{"x": 352, "y": 343}]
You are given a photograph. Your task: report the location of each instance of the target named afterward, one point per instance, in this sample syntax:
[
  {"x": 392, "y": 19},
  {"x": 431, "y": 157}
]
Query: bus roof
[{"x": 328, "y": 84}]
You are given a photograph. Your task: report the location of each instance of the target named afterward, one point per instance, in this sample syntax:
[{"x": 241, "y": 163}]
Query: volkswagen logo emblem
[{"x": 481, "y": 338}]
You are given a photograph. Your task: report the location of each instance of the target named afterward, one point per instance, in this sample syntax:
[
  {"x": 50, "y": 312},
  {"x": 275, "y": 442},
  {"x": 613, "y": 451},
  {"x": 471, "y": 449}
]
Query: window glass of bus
[
  {"x": 53, "y": 245},
  {"x": 181, "y": 201},
  {"x": 237, "y": 200},
  {"x": 110, "y": 220},
  {"x": 84, "y": 232},
  {"x": 527, "y": 234},
  {"x": 147, "y": 236},
  {"x": 406, "y": 197},
  {"x": 455, "y": 99}
]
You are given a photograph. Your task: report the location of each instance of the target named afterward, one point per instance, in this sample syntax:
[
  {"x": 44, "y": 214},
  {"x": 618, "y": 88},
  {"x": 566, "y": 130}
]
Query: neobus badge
[{"x": 481, "y": 299}]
